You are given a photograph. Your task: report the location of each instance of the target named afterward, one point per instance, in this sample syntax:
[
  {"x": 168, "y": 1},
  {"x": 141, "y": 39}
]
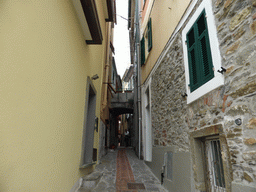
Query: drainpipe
[
  {"x": 138, "y": 70},
  {"x": 139, "y": 97}
]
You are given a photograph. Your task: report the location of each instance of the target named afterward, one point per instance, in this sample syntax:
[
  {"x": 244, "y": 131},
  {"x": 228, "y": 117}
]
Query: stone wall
[
  {"x": 236, "y": 25},
  {"x": 233, "y": 105},
  {"x": 168, "y": 106}
]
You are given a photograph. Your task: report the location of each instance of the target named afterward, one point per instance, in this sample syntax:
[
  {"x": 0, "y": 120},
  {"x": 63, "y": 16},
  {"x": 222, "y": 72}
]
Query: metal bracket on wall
[
  {"x": 184, "y": 95},
  {"x": 222, "y": 70}
]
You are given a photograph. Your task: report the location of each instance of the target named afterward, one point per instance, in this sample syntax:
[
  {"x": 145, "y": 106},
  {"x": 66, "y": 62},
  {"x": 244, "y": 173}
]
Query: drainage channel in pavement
[{"x": 122, "y": 171}]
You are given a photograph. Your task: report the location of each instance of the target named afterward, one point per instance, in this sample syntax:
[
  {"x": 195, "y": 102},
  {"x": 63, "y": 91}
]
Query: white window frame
[
  {"x": 218, "y": 79},
  {"x": 211, "y": 170},
  {"x": 210, "y": 164}
]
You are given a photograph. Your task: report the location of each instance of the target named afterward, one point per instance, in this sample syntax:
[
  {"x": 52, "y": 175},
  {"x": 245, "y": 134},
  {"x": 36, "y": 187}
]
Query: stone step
[{"x": 89, "y": 182}]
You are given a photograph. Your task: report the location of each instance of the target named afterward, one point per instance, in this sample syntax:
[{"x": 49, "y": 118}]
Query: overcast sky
[{"x": 121, "y": 38}]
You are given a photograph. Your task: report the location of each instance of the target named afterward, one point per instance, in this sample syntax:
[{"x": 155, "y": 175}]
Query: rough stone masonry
[{"x": 233, "y": 105}]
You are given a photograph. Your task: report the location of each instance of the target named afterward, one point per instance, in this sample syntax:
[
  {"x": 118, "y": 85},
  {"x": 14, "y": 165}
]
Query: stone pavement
[{"x": 123, "y": 171}]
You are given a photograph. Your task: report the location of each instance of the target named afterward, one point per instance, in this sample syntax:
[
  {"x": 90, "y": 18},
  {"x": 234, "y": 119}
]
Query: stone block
[
  {"x": 245, "y": 90},
  {"x": 217, "y": 120},
  {"x": 233, "y": 153},
  {"x": 233, "y": 135},
  {"x": 249, "y": 155},
  {"x": 233, "y": 48},
  {"x": 252, "y": 123},
  {"x": 245, "y": 54},
  {"x": 253, "y": 27},
  {"x": 254, "y": 3},
  {"x": 229, "y": 69},
  {"x": 240, "y": 79},
  {"x": 227, "y": 40},
  {"x": 239, "y": 18},
  {"x": 228, "y": 3},
  {"x": 237, "y": 130},
  {"x": 221, "y": 26},
  {"x": 247, "y": 177},
  {"x": 239, "y": 33},
  {"x": 236, "y": 71},
  {"x": 218, "y": 3},
  {"x": 233, "y": 161},
  {"x": 224, "y": 14},
  {"x": 238, "y": 110},
  {"x": 238, "y": 140},
  {"x": 249, "y": 141},
  {"x": 254, "y": 16}
]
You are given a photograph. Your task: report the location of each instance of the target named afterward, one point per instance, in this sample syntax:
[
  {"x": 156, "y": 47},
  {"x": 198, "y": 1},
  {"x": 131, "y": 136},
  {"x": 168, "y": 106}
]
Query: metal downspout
[{"x": 139, "y": 73}]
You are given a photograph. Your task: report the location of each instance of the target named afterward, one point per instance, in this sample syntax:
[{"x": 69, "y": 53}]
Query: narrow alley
[
  {"x": 122, "y": 171},
  {"x": 128, "y": 95}
]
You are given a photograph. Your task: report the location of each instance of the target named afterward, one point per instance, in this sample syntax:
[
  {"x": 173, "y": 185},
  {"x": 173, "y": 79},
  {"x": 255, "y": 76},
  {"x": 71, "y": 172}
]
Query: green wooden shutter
[
  {"x": 207, "y": 72},
  {"x": 142, "y": 51},
  {"x": 199, "y": 54},
  {"x": 149, "y": 35},
  {"x": 193, "y": 60}
]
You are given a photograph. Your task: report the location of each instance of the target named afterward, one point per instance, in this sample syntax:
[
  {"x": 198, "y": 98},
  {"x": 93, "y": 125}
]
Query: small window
[
  {"x": 149, "y": 32},
  {"x": 146, "y": 42},
  {"x": 142, "y": 51},
  {"x": 211, "y": 161},
  {"x": 215, "y": 165}
]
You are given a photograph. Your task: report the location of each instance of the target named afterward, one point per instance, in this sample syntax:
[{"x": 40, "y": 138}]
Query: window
[
  {"x": 149, "y": 25},
  {"x": 113, "y": 74},
  {"x": 201, "y": 53},
  {"x": 142, "y": 51},
  {"x": 146, "y": 42},
  {"x": 210, "y": 158},
  {"x": 215, "y": 165}
]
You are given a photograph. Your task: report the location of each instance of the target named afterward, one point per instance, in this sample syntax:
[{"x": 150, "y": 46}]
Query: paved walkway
[{"x": 123, "y": 171}]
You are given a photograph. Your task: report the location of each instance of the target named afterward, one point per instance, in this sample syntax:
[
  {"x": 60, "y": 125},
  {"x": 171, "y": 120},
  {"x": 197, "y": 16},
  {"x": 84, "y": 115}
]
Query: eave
[
  {"x": 111, "y": 7},
  {"x": 109, "y": 10},
  {"x": 89, "y": 20}
]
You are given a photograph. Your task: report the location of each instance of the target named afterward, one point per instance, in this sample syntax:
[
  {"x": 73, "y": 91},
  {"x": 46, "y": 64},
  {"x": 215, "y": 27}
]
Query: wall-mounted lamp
[{"x": 94, "y": 77}]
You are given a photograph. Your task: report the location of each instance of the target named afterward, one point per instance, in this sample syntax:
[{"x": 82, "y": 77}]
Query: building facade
[
  {"x": 53, "y": 58},
  {"x": 128, "y": 79},
  {"x": 198, "y": 90}
]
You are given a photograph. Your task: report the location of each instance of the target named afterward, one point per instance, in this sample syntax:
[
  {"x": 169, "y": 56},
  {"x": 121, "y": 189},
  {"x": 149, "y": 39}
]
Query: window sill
[{"x": 216, "y": 82}]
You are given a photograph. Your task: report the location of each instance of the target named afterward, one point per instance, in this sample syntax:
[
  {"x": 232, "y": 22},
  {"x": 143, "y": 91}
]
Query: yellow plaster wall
[
  {"x": 44, "y": 65},
  {"x": 164, "y": 21}
]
